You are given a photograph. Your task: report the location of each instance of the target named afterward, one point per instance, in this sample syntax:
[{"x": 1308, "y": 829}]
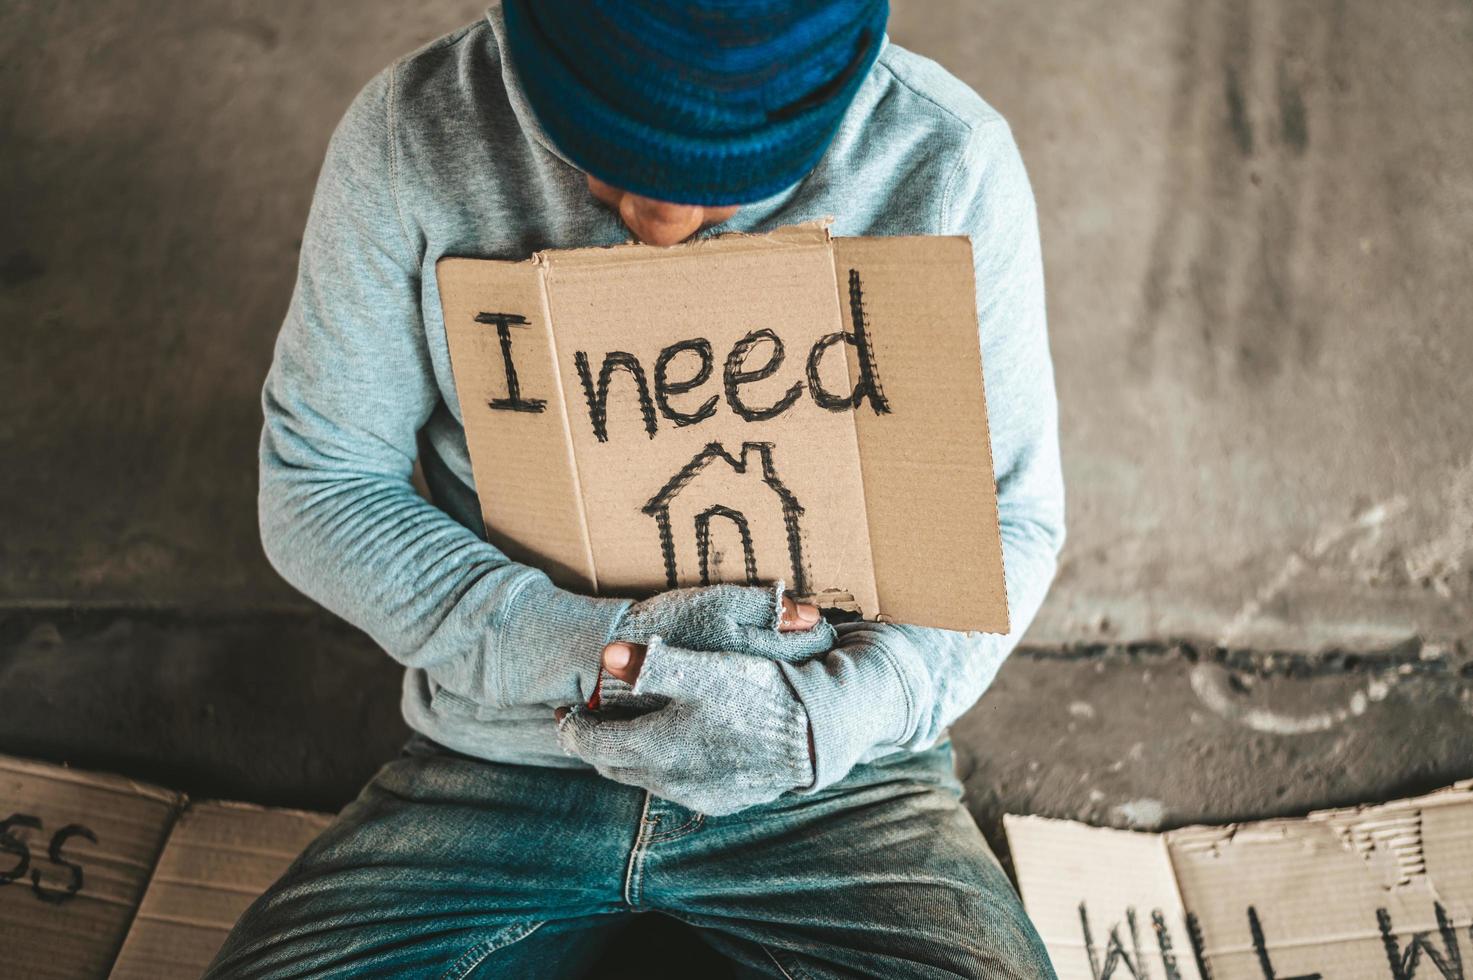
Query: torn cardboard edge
[
  {"x": 641, "y": 418},
  {"x": 1367, "y": 891},
  {"x": 109, "y": 876}
]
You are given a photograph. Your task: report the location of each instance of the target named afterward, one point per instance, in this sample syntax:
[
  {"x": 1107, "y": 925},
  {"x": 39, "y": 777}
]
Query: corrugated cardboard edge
[
  {"x": 102, "y": 780},
  {"x": 805, "y": 234},
  {"x": 1458, "y": 793},
  {"x": 1368, "y": 831},
  {"x": 1337, "y": 818},
  {"x": 191, "y": 804}
]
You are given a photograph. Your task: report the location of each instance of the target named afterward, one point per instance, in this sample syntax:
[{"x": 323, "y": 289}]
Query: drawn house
[{"x": 719, "y": 497}]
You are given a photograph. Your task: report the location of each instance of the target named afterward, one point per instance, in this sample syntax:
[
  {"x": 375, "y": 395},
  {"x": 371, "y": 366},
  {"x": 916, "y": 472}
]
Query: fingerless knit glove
[
  {"x": 734, "y": 618},
  {"x": 718, "y": 732},
  {"x": 548, "y": 643}
]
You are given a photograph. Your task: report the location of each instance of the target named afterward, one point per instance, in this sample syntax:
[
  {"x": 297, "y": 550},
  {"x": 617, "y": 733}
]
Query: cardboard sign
[
  {"x": 1379, "y": 892},
  {"x": 219, "y": 857},
  {"x": 76, "y": 853},
  {"x": 747, "y": 408}
]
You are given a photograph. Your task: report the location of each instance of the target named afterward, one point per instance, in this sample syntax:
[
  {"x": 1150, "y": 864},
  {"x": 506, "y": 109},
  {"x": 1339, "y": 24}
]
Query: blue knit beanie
[{"x": 693, "y": 101}]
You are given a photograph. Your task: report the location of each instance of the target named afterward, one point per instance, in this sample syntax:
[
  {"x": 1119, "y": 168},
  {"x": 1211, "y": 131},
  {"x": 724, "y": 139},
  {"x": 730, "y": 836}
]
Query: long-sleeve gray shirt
[{"x": 440, "y": 154}]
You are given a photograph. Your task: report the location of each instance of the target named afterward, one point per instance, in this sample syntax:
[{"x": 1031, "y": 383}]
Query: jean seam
[
  {"x": 689, "y": 827},
  {"x": 781, "y": 968},
  {"x": 473, "y": 957},
  {"x": 636, "y": 855}
]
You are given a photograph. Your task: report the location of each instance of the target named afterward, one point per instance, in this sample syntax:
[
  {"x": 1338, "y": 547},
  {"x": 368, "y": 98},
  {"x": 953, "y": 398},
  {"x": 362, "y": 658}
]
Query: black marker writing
[
  {"x": 58, "y": 840},
  {"x": 1163, "y": 942},
  {"x": 1199, "y": 946},
  {"x": 658, "y": 507},
  {"x": 1404, "y": 963},
  {"x": 1261, "y": 948},
  {"x": 664, "y": 387},
  {"x": 1115, "y": 954},
  {"x": 1448, "y": 962},
  {"x": 513, "y": 402},
  {"x": 703, "y": 541},
  {"x": 13, "y": 844},
  {"x": 738, "y": 374},
  {"x": 598, "y": 400},
  {"x": 868, "y": 385}
]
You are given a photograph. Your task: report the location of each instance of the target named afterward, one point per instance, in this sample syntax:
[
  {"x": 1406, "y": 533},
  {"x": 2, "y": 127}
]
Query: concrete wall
[
  {"x": 158, "y": 163},
  {"x": 1258, "y": 220}
]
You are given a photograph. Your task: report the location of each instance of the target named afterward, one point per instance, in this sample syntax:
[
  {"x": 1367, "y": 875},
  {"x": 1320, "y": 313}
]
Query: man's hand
[
  {"x": 729, "y": 731},
  {"x": 623, "y": 659},
  {"x": 759, "y": 620}
]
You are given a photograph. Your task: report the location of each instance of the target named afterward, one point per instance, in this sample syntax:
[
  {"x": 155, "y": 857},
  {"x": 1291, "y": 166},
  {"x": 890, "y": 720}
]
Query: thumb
[
  {"x": 624, "y": 660},
  {"x": 642, "y": 741},
  {"x": 671, "y": 671}
]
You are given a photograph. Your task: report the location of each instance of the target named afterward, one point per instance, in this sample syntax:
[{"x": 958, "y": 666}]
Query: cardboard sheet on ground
[
  {"x": 1380, "y": 892},
  {"x": 76, "y": 853},
  {"x": 218, "y": 858},
  {"x": 747, "y": 408},
  {"x": 105, "y": 877}
]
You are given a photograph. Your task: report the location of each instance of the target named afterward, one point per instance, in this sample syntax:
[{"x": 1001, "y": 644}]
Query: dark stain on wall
[
  {"x": 20, "y": 267},
  {"x": 1235, "y": 192}
]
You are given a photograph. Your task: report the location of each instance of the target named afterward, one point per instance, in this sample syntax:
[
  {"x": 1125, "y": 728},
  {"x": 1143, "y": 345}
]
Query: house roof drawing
[
  {"x": 715, "y": 454},
  {"x": 715, "y": 451}
]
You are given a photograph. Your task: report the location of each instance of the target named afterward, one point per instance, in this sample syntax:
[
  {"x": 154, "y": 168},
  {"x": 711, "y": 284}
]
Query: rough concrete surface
[{"x": 1258, "y": 226}]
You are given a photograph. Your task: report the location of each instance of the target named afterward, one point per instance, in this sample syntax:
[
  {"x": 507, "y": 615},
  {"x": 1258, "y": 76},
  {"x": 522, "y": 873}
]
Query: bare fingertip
[{"x": 798, "y": 616}]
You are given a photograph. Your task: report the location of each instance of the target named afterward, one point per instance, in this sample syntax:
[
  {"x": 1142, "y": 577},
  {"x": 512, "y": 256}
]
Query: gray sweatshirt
[{"x": 440, "y": 154}]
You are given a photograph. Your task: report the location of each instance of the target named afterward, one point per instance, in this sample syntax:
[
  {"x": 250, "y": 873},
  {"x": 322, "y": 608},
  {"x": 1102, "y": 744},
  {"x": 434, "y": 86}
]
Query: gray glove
[
  {"x": 735, "y": 618},
  {"x": 715, "y": 732}
]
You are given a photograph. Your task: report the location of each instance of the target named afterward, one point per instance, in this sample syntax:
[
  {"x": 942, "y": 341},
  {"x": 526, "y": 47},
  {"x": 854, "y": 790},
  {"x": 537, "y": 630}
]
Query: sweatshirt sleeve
[
  {"x": 888, "y": 687},
  {"x": 350, "y": 386}
]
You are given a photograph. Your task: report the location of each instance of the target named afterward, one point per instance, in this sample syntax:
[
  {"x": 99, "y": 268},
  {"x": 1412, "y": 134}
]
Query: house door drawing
[
  {"x": 759, "y": 507},
  {"x": 703, "y": 541}
]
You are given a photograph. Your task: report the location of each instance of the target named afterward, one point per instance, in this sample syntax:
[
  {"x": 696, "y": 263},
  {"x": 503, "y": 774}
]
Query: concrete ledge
[
  {"x": 297, "y": 709},
  {"x": 281, "y": 709},
  {"x": 1159, "y": 737}
]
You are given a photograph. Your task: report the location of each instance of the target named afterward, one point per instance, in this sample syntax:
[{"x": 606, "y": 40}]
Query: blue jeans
[{"x": 447, "y": 866}]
